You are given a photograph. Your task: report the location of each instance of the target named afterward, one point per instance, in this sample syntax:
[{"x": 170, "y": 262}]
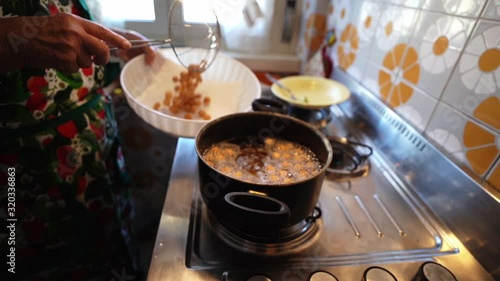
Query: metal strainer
[{"x": 188, "y": 32}]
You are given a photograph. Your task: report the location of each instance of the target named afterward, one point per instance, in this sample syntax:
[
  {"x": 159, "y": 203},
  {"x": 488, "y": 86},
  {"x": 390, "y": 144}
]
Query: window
[
  {"x": 129, "y": 10},
  {"x": 260, "y": 33},
  {"x": 148, "y": 17},
  {"x": 248, "y": 26}
]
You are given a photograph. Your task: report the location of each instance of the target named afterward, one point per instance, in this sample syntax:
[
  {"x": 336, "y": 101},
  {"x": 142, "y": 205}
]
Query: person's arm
[{"x": 64, "y": 42}]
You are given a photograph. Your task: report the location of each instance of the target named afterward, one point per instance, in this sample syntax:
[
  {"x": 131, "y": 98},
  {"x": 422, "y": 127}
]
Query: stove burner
[
  {"x": 287, "y": 241},
  {"x": 316, "y": 117},
  {"x": 378, "y": 273},
  {"x": 350, "y": 159}
]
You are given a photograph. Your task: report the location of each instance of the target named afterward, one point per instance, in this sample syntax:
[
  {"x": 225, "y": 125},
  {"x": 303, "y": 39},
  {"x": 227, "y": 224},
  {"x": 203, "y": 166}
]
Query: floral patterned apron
[{"x": 72, "y": 202}]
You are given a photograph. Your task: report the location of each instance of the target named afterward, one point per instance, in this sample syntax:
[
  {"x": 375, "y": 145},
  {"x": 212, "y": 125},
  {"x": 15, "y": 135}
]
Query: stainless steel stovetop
[{"x": 373, "y": 223}]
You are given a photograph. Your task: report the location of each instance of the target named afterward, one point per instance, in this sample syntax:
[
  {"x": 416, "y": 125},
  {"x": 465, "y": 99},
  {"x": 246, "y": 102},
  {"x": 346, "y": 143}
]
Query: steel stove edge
[{"x": 168, "y": 261}]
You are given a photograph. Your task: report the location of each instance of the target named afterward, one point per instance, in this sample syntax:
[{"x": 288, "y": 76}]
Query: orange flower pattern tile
[
  {"x": 400, "y": 72},
  {"x": 489, "y": 112},
  {"x": 388, "y": 29},
  {"x": 440, "y": 45},
  {"x": 481, "y": 147},
  {"x": 348, "y": 46},
  {"x": 489, "y": 60},
  {"x": 494, "y": 178},
  {"x": 480, "y": 62},
  {"x": 331, "y": 9},
  {"x": 401, "y": 68},
  {"x": 368, "y": 22},
  {"x": 315, "y": 32}
]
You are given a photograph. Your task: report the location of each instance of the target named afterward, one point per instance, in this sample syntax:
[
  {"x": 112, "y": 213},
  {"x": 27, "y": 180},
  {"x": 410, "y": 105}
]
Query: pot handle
[
  {"x": 270, "y": 105},
  {"x": 257, "y": 207}
]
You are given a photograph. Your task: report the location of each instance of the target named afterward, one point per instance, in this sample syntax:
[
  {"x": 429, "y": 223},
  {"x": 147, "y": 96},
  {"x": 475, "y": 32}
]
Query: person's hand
[
  {"x": 126, "y": 55},
  {"x": 64, "y": 42}
]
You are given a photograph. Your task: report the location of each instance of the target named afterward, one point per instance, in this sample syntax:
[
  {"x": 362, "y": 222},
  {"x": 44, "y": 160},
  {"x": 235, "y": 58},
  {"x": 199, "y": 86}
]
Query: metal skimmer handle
[
  {"x": 277, "y": 82},
  {"x": 145, "y": 43}
]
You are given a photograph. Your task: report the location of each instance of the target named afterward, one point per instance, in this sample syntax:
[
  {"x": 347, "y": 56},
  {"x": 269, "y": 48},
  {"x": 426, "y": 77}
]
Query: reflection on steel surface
[{"x": 405, "y": 208}]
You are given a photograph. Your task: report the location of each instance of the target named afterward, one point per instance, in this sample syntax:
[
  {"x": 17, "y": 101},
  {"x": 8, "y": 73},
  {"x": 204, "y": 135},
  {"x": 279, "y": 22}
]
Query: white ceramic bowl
[{"x": 230, "y": 85}]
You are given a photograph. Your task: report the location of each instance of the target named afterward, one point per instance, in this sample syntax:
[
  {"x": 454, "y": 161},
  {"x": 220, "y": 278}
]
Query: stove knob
[
  {"x": 322, "y": 276},
  {"x": 431, "y": 271},
  {"x": 259, "y": 278},
  {"x": 376, "y": 273}
]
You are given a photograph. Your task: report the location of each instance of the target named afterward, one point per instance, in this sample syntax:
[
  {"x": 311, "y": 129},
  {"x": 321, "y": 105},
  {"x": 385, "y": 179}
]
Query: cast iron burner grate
[
  {"x": 286, "y": 241},
  {"x": 350, "y": 158},
  {"x": 316, "y": 117},
  {"x": 372, "y": 220}
]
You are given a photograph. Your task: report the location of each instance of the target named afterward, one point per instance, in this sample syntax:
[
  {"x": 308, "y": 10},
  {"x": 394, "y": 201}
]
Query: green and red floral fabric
[{"x": 73, "y": 206}]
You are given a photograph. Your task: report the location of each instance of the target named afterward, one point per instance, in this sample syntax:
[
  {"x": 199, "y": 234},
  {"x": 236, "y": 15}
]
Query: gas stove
[{"x": 371, "y": 222}]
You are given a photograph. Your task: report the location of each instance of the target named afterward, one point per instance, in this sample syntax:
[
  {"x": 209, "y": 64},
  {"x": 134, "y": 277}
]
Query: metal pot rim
[{"x": 318, "y": 133}]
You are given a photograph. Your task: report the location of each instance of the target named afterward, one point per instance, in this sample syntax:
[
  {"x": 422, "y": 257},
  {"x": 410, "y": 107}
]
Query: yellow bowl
[{"x": 311, "y": 92}]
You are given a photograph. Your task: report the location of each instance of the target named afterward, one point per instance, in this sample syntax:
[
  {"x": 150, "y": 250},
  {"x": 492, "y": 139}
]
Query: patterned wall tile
[
  {"x": 446, "y": 130},
  {"x": 370, "y": 78},
  {"x": 394, "y": 26},
  {"x": 474, "y": 87},
  {"x": 341, "y": 13},
  {"x": 345, "y": 51},
  {"x": 494, "y": 176},
  {"x": 313, "y": 28},
  {"x": 418, "y": 109},
  {"x": 439, "y": 40},
  {"x": 492, "y": 10},
  {"x": 400, "y": 71},
  {"x": 356, "y": 70},
  {"x": 409, "y": 3},
  {"x": 435, "y": 63},
  {"x": 482, "y": 147},
  {"x": 366, "y": 22},
  {"x": 470, "y": 8},
  {"x": 401, "y": 94},
  {"x": 363, "y": 25},
  {"x": 465, "y": 140}
]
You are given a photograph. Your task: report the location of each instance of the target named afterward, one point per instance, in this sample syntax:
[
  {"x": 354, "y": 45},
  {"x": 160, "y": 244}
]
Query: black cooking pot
[{"x": 254, "y": 207}]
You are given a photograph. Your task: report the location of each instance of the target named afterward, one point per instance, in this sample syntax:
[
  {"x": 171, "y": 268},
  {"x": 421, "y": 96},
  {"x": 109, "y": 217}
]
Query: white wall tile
[
  {"x": 470, "y": 8},
  {"x": 466, "y": 141},
  {"x": 452, "y": 93},
  {"x": 476, "y": 78},
  {"x": 493, "y": 176},
  {"x": 439, "y": 40},
  {"x": 492, "y": 10},
  {"x": 418, "y": 109},
  {"x": 394, "y": 26}
]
